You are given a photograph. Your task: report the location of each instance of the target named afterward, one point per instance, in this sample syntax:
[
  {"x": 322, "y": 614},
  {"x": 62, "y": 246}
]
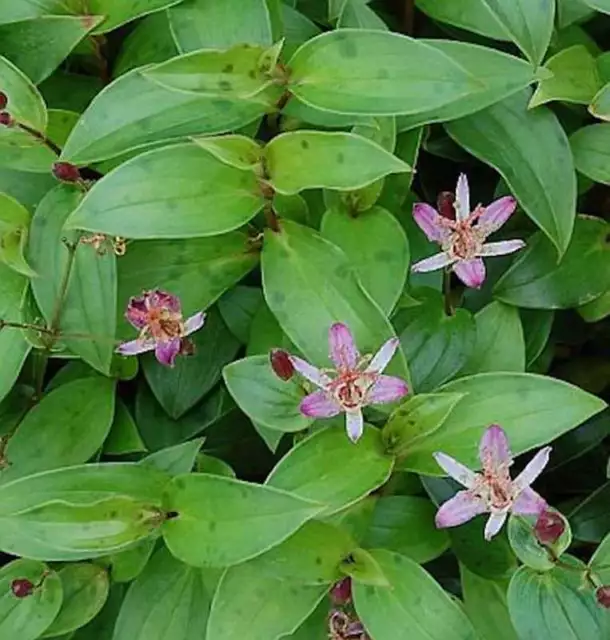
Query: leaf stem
[{"x": 40, "y": 136}]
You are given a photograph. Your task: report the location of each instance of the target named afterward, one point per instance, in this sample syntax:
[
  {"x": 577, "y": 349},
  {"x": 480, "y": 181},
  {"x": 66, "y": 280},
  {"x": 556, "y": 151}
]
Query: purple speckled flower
[
  {"x": 158, "y": 316},
  {"x": 493, "y": 490}
]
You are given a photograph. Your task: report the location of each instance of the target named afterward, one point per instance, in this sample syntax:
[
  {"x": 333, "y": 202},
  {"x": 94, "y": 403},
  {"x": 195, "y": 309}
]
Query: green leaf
[
  {"x": 162, "y": 193},
  {"x": 176, "y": 460},
  {"x": 405, "y": 525},
  {"x": 124, "y": 436},
  {"x": 529, "y": 24},
  {"x": 198, "y": 271},
  {"x": 323, "y": 468},
  {"x": 597, "y": 309},
  {"x": 600, "y": 105},
  {"x": 590, "y": 520},
  {"x": 168, "y": 600},
  {"x": 178, "y": 389},
  {"x": 237, "y": 151},
  {"x": 135, "y": 112},
  {"x": 25, "y": 102},
  {"x": 600, "y": 561},
  {"x": 87, "y": 322},
  {"x": 500, "y": 75},
  {"x": 85, "y": 590},
  {"x": 575, "y": 78},
  {"x": 485, "y": 604},
  {"x": 499, "y": 345},
  {"x": 367, "y": 72},
  {"x": 26, "y": 188},
  {"x": 437, "y": 346},
  {"x": 334, "y": 160},
  {"x": 554, "y": 604},
  {"x": 38, "y": 46},
  {"x": 28, "y": 617},
  {"x": 536, "y": 281},
  {"x": 218, "y": 521},
  {"x": 205, "y": 24},
  {"x": 414, "y": 602},
  {"x": 377, "y": 247},
  {"x": 238, "y": 307},
  {"x": 127, "y": 565},
  {"x": 590, "y": 149},
  {"x": 472, "y": 15},
  {"x": 527, "y": 548},
  {"x": 263, "y": 397},
  {"x": 215, "y": 466},
  {"x": 599, "y": 5},
  {"x": 571, "y": 11},
  {"x": 546, "y": 408},
  {"x": 357, "y": 14},
  {"x": 51, "y": 435},
  {"x": 362, "y": 567},
  {"x": 14, "y": 228},
  {"x": 270, "y": 611},
  {"x": 102, "y": 626},
  {"x": 537, "y": 165},
  {"x": 295, "y": 261}
]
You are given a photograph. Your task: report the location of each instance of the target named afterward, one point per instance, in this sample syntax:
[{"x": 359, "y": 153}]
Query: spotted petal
[
  {"x": 494, "y": 450},
  {"x": 470, "y": 272},
  {"x": 496, "y": 214},
  {"x": 502, "y": 248},
  {"x": 343, "y": 350},
  {"x": 308, "y": 371},
  {"x": 430, "y": 222},
  {"x": 456, "y": 470},
  {"x": 533, "y": 469},
  {"x": 383, "y": 357},
  {"x": 387, "y": 389},
  {"x": 494, "y": 524},
  {"x": 354, "y": 423},
  {"x": 137, "y": 312},
  {"x": 319, "y": 405},
  {"x": 437, "y": 261},
  {"x": 462, "y": 507},
  {"x": 462, "y": 198},
  {"x": 167, "y": 350},
  {"x": 134, "y": 347},
  {"x": 163, "y": 300},
  {"x": 529, "y": 503},
  {"x": 194, "y": 323}
]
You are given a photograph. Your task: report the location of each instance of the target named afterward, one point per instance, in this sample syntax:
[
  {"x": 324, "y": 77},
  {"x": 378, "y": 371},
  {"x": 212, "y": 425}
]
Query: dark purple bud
[
  {"x": 5, "y": 118},
  {"x": 603, "y": 596},
  {"x": 281, "y": 364},
  {"x": 341, "y": 593},
  {"x": 66, "y": 172},
  {"x": 444, "y": 204},
  {"x": 187, "y": 347},
  {"x": 22, "y": 588},
  {"x": 549, "y": 527},
  {"x": 3, "y": 100}
]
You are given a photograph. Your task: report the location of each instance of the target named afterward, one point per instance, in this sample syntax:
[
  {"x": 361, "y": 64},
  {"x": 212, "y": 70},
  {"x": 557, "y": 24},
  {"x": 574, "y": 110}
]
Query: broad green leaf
[
  {"x": 330, "y": 470},
  {"x": 575, "y": 78},
  {"x": 600, "y": 105},
  {"x": 181, "y": 387},
  {"x": 485, "y": 604},
  {"x": 237, "y": 151},
  {"x": 472, "y": 15},
  {"x": 413, "y": 607},
  {"x": 537, "y": 165},
  {"x": 127, "y": 565},
  {"x": 14, "y": 229},
  {"x": 176, "y": 460},
  {"x": 535, "y": 280},
  {"x": 207, "y": 24},
  {"x": 529, "y": 24},
  {"x": 546, "y": 408},
  {"x": 25, "y": 102},
  {"x": 198, "y": 270},
  {"x": 40, "y": 45},
  {"x": 28, "y": 189},
  {"x": 168, "y": 600},
  {"x": 405, "y": 525},
  {"x": 554, "y": 604},
  {"x": 298, "y": 29},
  {"x": 248, "y": 604},
  {"x": 238, "y": 307},
  {"x": 28, "y": 617},
  {"x": 500, "y": 75},
  {"x": 572, "y": 11},
  {"x": 367, "y": 72},
  {"x": 597, "y": 309},
  {"x": 600, "y": 561},
  {"x": 295, "y": 262},
  {"x": 599, "y": 5},
  {"x": 181, "y": 191},
  {"x": 437, "y": 345},
  {"x": 377, "y": 247},
  {"x": 102, "y": 626},
  {"x": 334, "y": 160},
  {"x": 357, "y": 14},
  {"x": 297, "y": 112},
  {"x": 124, "y": 436},
  {"x": 85, "y": 590},
  {"x": 87, "y": 322},
  {"x": 499, "y": 345},
  {"x": 590, "y": 149},
  {"x": 590, "y": 520},
  {"x": 362, "y": 567},
  {"x": 218, "y": 520},
  {"x": 135, "y": 112},
  {"x": 215, "y": 466},
  {"x": 264, "y": 397},
  {"x": 66, "y": 428}
]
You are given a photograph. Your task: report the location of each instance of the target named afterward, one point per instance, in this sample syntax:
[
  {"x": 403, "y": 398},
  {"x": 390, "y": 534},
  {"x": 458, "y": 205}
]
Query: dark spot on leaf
[
  {"x": 383, "y": 256},
  {"x": 340, "y": 158},
  {"x": 383, "y": 74},
  {"x": 304, "y": 144},
  {"x": 318, "y": 561},
  {"x": 211, "y": 526},
  {"x": 228, "y": 68},
  {"x": 225, "y": 85},
  {"x": 278, "y": 298},
  {"x": 348, "y": 48},
  {"x": 252, "y": 74}
]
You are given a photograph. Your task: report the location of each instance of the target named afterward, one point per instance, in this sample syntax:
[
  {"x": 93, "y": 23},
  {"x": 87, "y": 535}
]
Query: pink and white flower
[
  {"x": 492, "y": 490},
  {"x": 355, "y": 382},
  {"x": 463, "y": 239},
  {"x": 158, "y": 316}
]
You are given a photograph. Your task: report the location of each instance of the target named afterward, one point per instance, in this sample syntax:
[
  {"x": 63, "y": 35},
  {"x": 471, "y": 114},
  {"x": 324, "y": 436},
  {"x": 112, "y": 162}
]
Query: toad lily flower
[
  {"x": 493, "y": 490},
  {"x": 158, "y": 316},
  {"x": 354, "y": 383},
  {"x": 463, "y": 240}
]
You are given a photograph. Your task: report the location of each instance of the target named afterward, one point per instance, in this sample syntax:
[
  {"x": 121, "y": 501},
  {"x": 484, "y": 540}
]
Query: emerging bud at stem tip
[
  {"x": 281, "y": 364},
  {"x": 549, "y": 527},
  {"x": 3, "y": 100},
  {"x": 603, "y": 596},
  {"x": 66, "y": 172},
  {"x": 22, "y": 588},
  {"x": 5, "y": 118},
  {"x": 341, "y": 593}
]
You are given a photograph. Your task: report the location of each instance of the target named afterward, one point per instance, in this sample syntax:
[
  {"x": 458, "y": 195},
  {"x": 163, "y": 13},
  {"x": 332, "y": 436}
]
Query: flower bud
[
  {"x": 341, "y": 593},
  {"x": 603, "y": 596},
  {"x": 549, "y": 527},
  {"x": 66, "y": 172},
  {"x": 5, "y": 118},
  {"x": 444, "y": 204},
  {"x": 3, "y": 100},
  {"x": 281, "y": 364},
  {"x": 22, "y": 588}
]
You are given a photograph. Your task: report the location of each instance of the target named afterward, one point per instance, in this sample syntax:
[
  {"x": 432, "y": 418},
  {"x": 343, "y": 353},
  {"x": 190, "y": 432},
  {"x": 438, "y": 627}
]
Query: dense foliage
[{"x": 304, "y": 319}]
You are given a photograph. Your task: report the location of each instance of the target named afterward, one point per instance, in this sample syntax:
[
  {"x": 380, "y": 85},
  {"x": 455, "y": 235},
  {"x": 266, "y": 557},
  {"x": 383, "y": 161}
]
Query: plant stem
[
  {"x": 24, "y": 325},
  {"x": 409, "y": 17},
  {"x": 40, "y": 136},
  {"x": 449, "y": 310}
]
